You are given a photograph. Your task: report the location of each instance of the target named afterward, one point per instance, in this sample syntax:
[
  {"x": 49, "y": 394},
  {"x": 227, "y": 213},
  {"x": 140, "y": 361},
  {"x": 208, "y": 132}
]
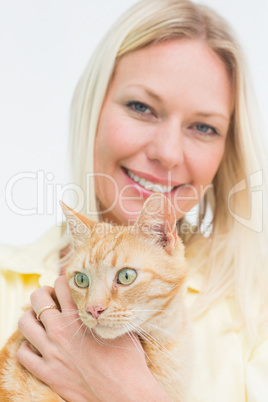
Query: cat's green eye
[
  {"x": 81, "y": 280},
  {"x": 126, "y": 276}
]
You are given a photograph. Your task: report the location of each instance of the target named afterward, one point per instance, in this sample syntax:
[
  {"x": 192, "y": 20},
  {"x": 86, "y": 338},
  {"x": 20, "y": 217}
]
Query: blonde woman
[{"x": 165, "y": 105}]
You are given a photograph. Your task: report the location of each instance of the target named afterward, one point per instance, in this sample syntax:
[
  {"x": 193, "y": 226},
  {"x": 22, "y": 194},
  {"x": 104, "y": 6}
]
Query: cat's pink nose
[{"x": 95, "y": 311}]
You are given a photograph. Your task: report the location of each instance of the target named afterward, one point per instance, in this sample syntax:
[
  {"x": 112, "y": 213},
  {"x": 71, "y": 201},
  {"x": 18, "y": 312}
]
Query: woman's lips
[
  {"x": 146, "y": 186},
  {"x": 153, "y": 179}
]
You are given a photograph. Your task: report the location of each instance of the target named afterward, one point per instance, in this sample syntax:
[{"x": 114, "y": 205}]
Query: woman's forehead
[{"x": 176, "y": 67}]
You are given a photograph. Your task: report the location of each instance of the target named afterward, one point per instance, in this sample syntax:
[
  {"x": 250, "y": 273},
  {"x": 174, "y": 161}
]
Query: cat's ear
[
  {"x": 79, "y": 225},
  {"x": 157, "y": 219}
]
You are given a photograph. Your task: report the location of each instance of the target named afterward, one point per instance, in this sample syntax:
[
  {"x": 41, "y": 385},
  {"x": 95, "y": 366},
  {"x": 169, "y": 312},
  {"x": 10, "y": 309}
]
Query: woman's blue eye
[
  {"x": 206, "y": 129},
  {"x": 139, "y": 107}
]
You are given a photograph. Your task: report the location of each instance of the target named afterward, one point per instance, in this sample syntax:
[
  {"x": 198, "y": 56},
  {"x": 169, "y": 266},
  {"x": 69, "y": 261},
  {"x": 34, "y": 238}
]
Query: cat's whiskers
[
  {"x": 119, "y": 313},
  {"x": 76, "y": 332},
  {"x": 145, "y": 334},
  {"x": 98, "y": 340},
  {"x": 134, "y": 340},
  {"x": 101, "y": 341},
  {"x": 153, "y": 342},
  {"x": 63, "y": 315},
  {"x": 157, "y": 327},
  {"x": 83, "y": 337},
  {"x": 136, "y": 343},
  {"x": 160, "y": 310},
  {"x": 70, "y": 323},
  {"x": 110, "y": 322}
]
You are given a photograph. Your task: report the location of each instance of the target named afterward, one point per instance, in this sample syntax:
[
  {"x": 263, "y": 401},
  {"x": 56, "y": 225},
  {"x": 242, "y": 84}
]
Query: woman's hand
[{"x": 73, "y": 363}]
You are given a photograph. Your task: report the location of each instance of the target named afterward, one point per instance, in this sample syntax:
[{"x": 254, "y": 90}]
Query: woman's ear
[{"x": 157, "y": 220}]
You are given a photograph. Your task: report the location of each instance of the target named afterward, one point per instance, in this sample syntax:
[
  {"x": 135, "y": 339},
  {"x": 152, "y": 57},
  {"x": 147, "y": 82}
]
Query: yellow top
[{"x": 227, "y": 367}]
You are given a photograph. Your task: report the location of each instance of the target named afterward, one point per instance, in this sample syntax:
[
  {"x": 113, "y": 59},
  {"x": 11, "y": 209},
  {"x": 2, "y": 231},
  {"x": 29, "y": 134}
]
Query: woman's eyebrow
[
  {"x": 213, "y": 114},
  {"x": 148, "y": 91}
]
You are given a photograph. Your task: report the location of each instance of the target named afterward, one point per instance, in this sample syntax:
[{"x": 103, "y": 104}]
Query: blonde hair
[{"x": 234, "y": 254}]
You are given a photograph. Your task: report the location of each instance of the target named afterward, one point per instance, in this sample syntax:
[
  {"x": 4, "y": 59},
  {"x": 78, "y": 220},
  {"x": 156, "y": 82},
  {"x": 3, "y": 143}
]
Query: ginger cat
[{"x": 123, "y": 279}]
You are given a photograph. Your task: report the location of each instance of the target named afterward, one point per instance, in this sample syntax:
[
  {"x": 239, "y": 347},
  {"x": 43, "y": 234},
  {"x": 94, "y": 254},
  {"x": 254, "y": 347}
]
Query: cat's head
[{"x": 127, "y": 278}]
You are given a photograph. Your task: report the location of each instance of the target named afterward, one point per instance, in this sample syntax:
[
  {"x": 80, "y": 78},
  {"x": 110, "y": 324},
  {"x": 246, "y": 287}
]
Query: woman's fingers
[
  {"x": 69, "y": 313},
  {"x": 26, "y": 325},
  {"x": 33, "y": 330},
  {"x": 29, "y": 359},
  {"x": 63, "y": 294},
  {"x": 60, "y": 323},
  {"x": 42, "y": 298}
]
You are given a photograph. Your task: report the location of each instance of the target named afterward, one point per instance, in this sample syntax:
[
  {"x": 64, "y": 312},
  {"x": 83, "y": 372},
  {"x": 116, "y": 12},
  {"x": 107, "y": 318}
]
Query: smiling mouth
[{"x": 148, "y": 185}]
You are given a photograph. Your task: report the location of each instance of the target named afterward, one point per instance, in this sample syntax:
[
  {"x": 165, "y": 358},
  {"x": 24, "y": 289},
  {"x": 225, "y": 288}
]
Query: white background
[{"x": 44, "y": 47}]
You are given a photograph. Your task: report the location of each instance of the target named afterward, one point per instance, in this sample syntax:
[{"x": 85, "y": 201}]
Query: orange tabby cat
[{"x": 123, "y": 279}]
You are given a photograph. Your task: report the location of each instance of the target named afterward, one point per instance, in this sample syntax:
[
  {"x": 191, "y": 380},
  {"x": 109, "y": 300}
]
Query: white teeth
[{"x": 155, "y": 187}]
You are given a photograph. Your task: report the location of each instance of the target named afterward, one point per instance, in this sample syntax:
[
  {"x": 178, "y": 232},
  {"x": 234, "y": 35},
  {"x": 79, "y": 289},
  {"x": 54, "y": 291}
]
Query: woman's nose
[{"x": 166, "y": 145}]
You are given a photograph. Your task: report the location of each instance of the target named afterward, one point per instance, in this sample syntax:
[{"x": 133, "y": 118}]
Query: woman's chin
[{"x": 124, "y": 214}]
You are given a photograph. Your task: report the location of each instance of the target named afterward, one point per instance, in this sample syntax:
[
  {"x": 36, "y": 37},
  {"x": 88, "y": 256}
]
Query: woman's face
[{"x": 162, "y": 128}]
